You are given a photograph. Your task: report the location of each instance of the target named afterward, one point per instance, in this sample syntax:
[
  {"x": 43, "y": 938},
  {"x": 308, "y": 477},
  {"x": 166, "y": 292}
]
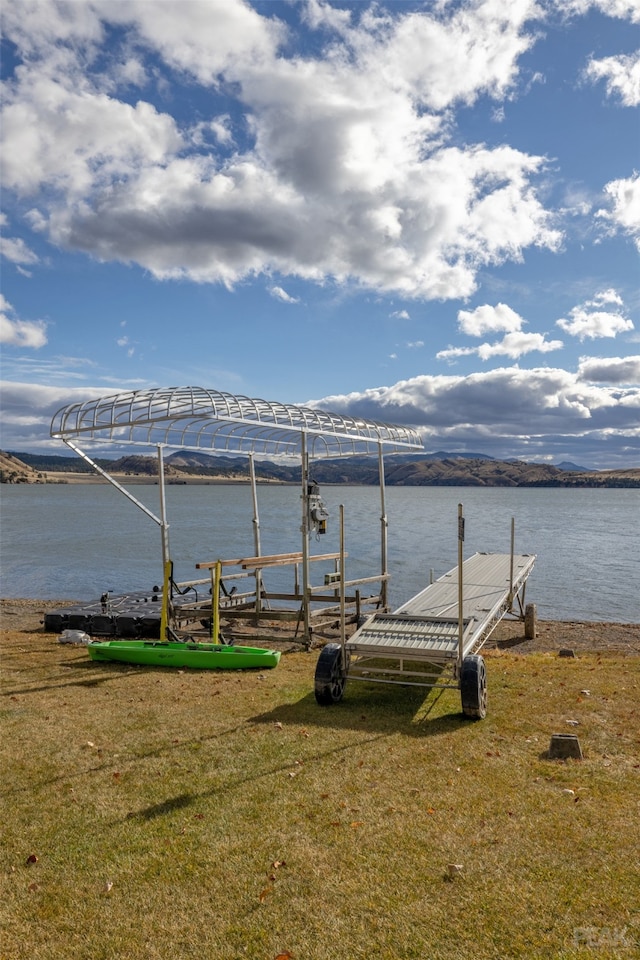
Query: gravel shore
[{"x": 26, "y": 616}]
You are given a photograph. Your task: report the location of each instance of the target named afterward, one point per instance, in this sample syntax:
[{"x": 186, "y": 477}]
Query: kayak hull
[{"x": 199, "y": 656}]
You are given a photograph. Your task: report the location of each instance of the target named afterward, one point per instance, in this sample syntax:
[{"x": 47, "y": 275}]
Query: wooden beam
[{"x": 269, "y": 560}]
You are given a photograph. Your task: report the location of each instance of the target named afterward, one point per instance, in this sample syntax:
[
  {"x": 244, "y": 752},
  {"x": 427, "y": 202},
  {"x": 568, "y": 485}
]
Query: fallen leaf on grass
[
  {"x": 33, "y": 887},
  {"x": 357, "y": 823},
  {"x": 264, "y": 894},
  {"x": 278, "y": 863},
  {"x": 278, "y": 725},
  {"x": 32, "y": 858},
  {"x": 108, "y": 887},
  {"x": 284, "y": 956}
]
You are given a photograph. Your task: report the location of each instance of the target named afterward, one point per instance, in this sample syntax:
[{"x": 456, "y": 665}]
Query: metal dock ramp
[
  {"x": 428, "y": 626},
  {"x": 445, "y": 625}
]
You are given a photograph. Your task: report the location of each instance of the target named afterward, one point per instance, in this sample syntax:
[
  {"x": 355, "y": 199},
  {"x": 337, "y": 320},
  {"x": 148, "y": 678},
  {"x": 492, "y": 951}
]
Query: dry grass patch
[{"x": 179, "y": 814}]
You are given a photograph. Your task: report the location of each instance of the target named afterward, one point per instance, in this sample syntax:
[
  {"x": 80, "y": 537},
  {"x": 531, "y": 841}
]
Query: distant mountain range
[{"x": 435, "y": 469}]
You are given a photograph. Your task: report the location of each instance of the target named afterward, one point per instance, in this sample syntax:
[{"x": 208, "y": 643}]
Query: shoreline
[
  {"x": 53, "y": 479},
  {"x": 136, "y": 479},
  {"x": 23, "y": 615}
]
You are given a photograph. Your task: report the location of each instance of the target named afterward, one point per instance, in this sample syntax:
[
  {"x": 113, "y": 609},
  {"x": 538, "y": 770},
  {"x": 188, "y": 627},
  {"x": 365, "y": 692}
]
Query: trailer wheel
[
  {"x": 330, "y": 678},
  {"x": 473, "y": 687}
]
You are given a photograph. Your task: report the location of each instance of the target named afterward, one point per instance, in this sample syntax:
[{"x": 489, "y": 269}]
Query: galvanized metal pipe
[
  {"x": 256, "y": 531},
  {"x": 164, "y": 526},
  {"x": 304, "y": 472},
  {"x": 111, "y": 480},
  {"x": 460, "y": 587},
  {"x": 384, "y": 524},
  {"x": 343, "y": 633},
  {"x": 513, "y": 532}
]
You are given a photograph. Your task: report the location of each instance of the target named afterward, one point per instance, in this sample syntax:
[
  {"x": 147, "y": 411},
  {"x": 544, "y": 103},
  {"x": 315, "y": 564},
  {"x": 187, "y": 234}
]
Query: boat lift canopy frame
[{"x": 204, "y": 419}]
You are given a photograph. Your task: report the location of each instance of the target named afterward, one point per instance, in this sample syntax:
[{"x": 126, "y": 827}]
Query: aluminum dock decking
[
  {"x": 441, "y": 626},
  {"x": 427, "y": 626}
]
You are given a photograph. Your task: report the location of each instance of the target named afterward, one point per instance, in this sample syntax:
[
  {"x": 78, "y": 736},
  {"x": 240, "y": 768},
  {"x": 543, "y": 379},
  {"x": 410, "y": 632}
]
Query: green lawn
[{"x": 180, "y": 815}]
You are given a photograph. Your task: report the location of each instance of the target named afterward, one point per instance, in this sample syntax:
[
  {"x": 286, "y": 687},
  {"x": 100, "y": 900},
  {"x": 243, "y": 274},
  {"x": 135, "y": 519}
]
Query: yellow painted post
[
  {"x": 215, "y": 604},
  {"x": 164, "y": 613}
]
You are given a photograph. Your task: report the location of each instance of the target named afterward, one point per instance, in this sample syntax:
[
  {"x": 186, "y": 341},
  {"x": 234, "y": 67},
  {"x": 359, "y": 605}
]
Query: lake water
[{"x": 77, "y": 540}]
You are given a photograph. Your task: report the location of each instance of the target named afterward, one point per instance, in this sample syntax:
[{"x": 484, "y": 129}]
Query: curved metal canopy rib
[{"x": 198, "y": 418}]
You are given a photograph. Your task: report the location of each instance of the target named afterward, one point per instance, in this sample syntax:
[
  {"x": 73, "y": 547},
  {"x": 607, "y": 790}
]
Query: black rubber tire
[
  {"x": 330, "y": 678},
  {"x": 473, "y": 687}
]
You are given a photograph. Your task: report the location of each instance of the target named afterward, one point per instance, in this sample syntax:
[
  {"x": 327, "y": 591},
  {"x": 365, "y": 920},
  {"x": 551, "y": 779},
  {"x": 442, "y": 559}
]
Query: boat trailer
[{"x": 434, "y": 639}]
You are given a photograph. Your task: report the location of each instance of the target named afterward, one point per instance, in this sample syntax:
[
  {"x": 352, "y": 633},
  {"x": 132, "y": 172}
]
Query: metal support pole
[
  {"x": 256, "y": 533},
  {"x": 112, "y": 481},
  {"x": 460, "y": 587},
  {"x": 165, "y": 613},
  {"x": 164, "y": 526},
  {"x": 513, "y": 537},
  {"x": 383, "y": 531},
  {"x": 343, "y": 633},
  {"x": 305, "y": 536}
]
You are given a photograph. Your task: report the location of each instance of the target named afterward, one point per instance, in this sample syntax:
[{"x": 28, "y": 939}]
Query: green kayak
[{"x": 201, "y": 656}]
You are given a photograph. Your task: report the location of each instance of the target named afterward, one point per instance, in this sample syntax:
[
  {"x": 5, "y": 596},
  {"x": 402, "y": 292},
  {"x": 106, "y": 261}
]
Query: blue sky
[{"x": 426, "y": 213}]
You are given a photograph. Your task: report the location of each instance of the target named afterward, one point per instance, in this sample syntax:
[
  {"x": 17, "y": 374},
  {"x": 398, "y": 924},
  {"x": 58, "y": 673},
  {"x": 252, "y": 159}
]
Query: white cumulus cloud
[
  {"x": 487, "y": 319},
  {"x": 621, "y": 75},
  {"x": 589, "y": 321},
  {"x": 331, "y": 166},
  {"x": 543, "y": 408},
  {"x": 282, "y": 295},
  {"x": 20, "y": 333},
  {"x": 613, "y": 370},
  {"x": 493, "y": 319},
  {"x": 624, "y": 211},
  {"x": 622, "y": 9}
]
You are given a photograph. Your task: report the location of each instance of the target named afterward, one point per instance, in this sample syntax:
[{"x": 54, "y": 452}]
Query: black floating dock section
[{"x": 132, "y": 615}]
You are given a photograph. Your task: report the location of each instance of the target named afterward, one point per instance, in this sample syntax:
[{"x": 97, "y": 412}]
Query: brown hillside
[{"x": 13, "y": 470}]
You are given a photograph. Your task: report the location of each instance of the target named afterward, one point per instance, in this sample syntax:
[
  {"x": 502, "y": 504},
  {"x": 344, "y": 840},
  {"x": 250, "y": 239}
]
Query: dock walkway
[{"x": 428, "y": 626}]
